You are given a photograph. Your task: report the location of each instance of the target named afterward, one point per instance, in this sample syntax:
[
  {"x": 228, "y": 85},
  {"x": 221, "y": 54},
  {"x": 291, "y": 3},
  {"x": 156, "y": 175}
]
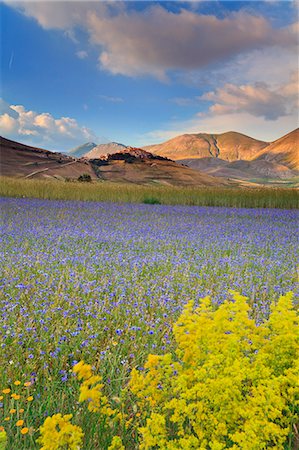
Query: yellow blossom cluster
[
  {"x": 232, "y": 384},
  {"x": 57, "y": 432},
  {"x": 91, "y": 390}
]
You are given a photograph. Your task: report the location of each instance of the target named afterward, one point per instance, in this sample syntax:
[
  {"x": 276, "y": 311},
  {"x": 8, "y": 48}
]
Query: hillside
[
  {"x": 82, "y": 149},
  {"x": 138, "y": 166},
  {"x": 283, "y": 151},
  {"x": 241, "y": 169},
  {"x": 20, "y": 160},
  {"x": 103, "y": 149},
  {"x": 228, "y": 146},
  {"x": 131, "y": 165}
]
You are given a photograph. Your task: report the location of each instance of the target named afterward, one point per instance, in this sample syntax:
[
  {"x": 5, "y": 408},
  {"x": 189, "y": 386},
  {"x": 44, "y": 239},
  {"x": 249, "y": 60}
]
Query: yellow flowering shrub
[
  {"x": 57, "y": 432},
  {"x": 232, "y": 385}
]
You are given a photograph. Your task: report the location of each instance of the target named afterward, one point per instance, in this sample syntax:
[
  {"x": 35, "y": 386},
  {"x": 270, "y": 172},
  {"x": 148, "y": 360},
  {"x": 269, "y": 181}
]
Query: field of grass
[
  {"x": 105, "y": 282},
  {"x": 109, "y": 192}
]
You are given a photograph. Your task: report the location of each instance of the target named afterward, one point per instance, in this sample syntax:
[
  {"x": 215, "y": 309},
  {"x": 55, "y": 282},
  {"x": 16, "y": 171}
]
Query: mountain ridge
[{"x": 228, "y": 146}]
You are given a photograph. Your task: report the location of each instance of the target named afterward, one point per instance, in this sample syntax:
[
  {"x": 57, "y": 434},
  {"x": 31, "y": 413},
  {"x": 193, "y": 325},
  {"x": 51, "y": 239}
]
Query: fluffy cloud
[
  {"x": 158, "y": 40},
  {"x": 42, "y": 129},
  {"x": 259, "y": 99},
  {"x": 155, "y": 41}
]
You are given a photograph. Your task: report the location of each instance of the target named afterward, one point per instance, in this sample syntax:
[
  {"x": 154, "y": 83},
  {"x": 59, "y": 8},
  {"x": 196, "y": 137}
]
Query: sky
[{"x": 143, "y": 72}]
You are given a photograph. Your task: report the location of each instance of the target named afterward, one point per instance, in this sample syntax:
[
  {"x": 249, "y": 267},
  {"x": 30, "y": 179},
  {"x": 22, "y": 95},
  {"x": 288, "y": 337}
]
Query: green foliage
[
  {"x": 85, "y": 177},
  {"x": 151, "y": 201}
]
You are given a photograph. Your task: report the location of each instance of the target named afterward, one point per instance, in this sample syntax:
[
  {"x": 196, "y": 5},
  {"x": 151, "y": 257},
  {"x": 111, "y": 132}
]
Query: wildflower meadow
[{"x": 134, "y": 326}]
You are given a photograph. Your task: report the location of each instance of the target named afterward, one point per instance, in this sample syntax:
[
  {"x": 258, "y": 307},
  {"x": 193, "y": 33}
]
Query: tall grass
[{"x": 169, "y": 195}]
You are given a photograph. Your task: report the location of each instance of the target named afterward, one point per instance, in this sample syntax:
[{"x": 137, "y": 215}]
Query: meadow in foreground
[{"x": 105, "y": 283}]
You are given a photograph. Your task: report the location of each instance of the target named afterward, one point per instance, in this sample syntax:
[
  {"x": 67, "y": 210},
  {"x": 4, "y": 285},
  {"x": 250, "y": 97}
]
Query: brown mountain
[
  {"x": 283, "y": 151},
  {"x": 103, "y": 149},
  {"x": 131, "y": 165},
  {"x": 20, "y": 160},
  {"x": 228, "y": 146},
  {"x": 241, "y": 170}
]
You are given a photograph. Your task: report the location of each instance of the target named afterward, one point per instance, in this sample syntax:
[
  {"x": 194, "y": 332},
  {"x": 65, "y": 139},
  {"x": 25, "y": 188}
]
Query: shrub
[
  {"x": 85, "y": 177},
  {"x": 151, "y": 201},
  {"x": 231, "y": 384}
]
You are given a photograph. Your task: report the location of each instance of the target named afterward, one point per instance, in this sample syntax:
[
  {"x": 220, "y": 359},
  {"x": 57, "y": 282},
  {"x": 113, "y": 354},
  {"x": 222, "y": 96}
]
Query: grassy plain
[{"x": 286, "y": 198}]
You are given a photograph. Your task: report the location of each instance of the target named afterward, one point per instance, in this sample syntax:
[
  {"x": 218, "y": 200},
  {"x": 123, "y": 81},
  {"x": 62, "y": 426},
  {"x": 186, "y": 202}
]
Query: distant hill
[
  {"x": 134, "y": 165},
  {"x": 20, "y": 160},
  {"x": 104, "y": 149},
  {"x": 283, "y": 151},
  {"x": 228, "y": 146},
  {"x": 82, "y": 149}
]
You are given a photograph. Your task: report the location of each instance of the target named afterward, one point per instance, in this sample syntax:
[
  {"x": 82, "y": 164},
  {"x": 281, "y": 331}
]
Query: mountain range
[{"x": 189, "y": 159}]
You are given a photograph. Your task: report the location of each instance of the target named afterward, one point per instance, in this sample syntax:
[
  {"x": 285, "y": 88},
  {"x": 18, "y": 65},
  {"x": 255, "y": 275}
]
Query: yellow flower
[
  {"x": 7, "y": 419},
  {"x": 17, "y": 383},
  {"x": 83, "y": 370},
  {"x": 20, "y": 423},
  {"x": 27, "y": 383},
  {"x": 21, "y": 410},
  {"x": 24, "y": 430},
  {"x": 12, "y": 411},
  {"x": 6, "y": 391},
  {"x": 57, "y": 432},
  {"x": 1, "y": 397},
  {"x": 3, "y": 438},
  {"x": 29, "y": 399},
  {"x": 15, "y": 396},
  {"x": 116, "y": 444},
  {"x": 228, "y": 380}
]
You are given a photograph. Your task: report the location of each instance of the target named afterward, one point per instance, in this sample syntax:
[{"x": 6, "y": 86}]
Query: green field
[{"x": 286, "y": 198}]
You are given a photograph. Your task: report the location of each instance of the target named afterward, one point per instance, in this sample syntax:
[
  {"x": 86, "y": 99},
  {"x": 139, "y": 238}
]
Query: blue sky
[{"x": 143, "y": 72}]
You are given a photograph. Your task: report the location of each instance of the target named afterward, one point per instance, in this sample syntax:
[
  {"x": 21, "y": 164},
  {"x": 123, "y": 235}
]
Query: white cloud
[
  {"x": 42, "y": 128},
  {"x": 259, "y": 99},
  {"x": 8, "y": 124}
]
